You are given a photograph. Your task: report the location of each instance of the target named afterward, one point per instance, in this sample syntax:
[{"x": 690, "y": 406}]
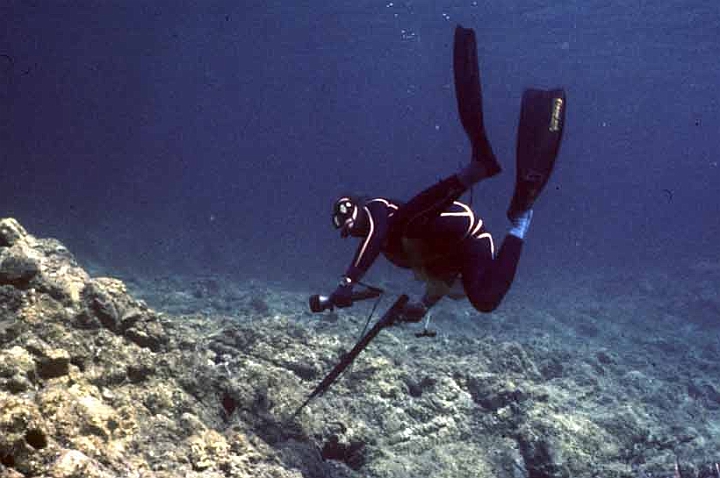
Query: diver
[{"x": 437, "y": 236}]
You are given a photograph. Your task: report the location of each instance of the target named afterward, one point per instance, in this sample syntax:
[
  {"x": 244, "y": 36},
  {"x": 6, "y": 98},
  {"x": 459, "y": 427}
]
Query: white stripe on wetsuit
[
  {"x": 467, "y": 213},
  {"x": 369, "y": 236}
]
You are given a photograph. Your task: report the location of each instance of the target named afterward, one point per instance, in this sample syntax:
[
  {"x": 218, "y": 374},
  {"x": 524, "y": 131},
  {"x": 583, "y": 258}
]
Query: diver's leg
[
  {"x": 413, "y": 216},
  {"x": 434, "y": 200},
  {"x": 437, "y": 198},
  {"x": 486, "y": 281}
]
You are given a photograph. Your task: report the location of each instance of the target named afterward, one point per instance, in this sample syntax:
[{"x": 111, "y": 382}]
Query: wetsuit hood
[{"x": 349, "y": 216}]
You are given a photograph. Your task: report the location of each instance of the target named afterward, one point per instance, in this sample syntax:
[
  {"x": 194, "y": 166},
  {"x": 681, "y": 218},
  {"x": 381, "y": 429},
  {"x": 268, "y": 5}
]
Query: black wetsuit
[{"x": 440, "y": 245}]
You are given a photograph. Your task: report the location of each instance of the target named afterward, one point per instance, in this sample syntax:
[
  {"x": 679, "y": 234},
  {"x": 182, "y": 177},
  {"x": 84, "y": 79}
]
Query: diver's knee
[{"x": 485, "y": 305}]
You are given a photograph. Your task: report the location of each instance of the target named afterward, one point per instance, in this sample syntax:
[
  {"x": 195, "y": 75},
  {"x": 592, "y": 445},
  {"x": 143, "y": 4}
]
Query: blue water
[{"x": 185, "y": 136}]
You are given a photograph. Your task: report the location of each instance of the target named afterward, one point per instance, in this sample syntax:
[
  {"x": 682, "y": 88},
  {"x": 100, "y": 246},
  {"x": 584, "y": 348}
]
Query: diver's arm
[
  {"x": 367, "y": 252},
  {"x": 430, "y": 298},
  {"x": 370, "y": 247}
]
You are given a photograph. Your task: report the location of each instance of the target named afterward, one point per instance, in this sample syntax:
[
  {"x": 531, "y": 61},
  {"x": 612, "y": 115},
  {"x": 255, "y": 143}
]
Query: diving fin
[
  {"x": 542, "y": 117},
  {"x": 469, "y": 98}
]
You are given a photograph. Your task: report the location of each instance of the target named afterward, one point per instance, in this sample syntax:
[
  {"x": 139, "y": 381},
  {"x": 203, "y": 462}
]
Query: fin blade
[
  {"x": 468, "y": 93},
  {"x": 540, "y": 131}
]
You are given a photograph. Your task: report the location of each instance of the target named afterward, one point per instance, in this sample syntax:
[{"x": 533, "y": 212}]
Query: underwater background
[
  {"x": 193, "y": 150},
  {"x": 212, "y": 137}
]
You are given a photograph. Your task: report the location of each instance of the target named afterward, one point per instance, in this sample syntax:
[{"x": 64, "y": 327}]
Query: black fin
[
  {"x": 542, "y": 118},
  {"x": 469, "y": 97}
]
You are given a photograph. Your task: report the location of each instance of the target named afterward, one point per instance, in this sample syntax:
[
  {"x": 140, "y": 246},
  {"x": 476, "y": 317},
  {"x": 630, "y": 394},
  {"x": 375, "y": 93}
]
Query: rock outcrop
[{"x": 93, "y": 383}]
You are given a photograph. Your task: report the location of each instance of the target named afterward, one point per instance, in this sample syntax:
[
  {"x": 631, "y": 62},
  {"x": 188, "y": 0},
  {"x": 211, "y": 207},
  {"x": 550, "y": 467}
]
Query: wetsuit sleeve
[{"x": 370, "y": 247}]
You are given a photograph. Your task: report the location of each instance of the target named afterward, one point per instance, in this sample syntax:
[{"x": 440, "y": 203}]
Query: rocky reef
[{"x": 95, "y": 383}]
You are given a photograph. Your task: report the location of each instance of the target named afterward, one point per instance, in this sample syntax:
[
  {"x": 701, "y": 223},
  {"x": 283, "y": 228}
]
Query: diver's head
[{"x": 348, "y": 216}]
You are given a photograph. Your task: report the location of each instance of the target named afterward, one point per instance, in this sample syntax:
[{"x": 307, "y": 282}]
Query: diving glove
[
  {"x": 413, "y": 312},
  {"x": 342, "y": 297}
]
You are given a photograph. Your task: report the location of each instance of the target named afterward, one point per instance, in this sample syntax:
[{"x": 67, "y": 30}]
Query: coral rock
[{"x": 11, "y": 232}]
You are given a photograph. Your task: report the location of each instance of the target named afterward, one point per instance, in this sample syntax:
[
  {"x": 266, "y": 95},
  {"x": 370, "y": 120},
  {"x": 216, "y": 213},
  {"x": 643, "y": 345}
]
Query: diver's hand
[
  {"x": 413, "y": 312},
  {"x": 342, "y": 297}
]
